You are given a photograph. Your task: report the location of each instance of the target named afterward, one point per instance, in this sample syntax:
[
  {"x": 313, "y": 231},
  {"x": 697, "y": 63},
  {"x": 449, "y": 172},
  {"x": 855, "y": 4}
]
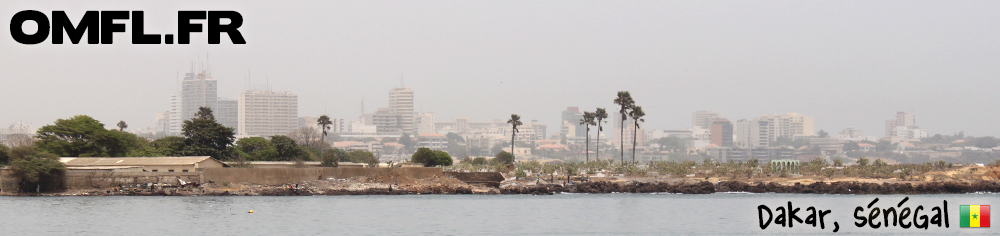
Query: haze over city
[{"x": 846, "y": 64}]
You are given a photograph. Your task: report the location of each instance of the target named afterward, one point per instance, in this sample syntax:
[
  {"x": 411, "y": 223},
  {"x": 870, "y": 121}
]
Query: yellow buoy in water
[{"x": 251, "y": 211}]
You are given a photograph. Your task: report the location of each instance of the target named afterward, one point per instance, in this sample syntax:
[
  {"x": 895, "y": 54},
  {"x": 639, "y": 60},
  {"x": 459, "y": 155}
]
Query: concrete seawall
[
  {"x": 97, "y": 179},
  {"x": 272, "y": 176},
  {"x": 266, "y": 176}
]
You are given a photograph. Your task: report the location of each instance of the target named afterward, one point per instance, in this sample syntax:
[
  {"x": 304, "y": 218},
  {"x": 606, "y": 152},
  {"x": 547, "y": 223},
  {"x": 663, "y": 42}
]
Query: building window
[
  {"x": 156, "y": 170},
  {"x": 185, "y": 170},
  {"x": 170, "y": 170}
]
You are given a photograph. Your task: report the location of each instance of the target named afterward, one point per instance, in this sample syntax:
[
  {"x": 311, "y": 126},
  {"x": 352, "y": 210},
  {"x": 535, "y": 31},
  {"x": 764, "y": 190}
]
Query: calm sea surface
[{"x": 577, "y": 214}]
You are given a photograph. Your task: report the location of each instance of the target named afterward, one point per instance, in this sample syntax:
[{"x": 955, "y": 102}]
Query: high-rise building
[
  {"x": 571, "y": 121},
  {"x": 387, "y": 122},
  {"x": 752, "y": 133},
  {"x": 424, "y": 123},
  {"x": 539, "y": 129},
  {"x": 228, "y": 114},
  {"x": 267, "y": 113},
  {"x": 722, "y": 132},
  {"x": 903, "y": 119},
  {"x": 198, "y": 90},
  {"x": 401, "y": 105},
  {"x": 703, "y": 119},
  {"x": 175, "y": 121},
  {"x": 789, "y": 125}
]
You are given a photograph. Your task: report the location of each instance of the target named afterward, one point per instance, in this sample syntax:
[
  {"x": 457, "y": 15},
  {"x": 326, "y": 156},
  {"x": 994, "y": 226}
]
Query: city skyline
[{"x": 821, "y": 60}]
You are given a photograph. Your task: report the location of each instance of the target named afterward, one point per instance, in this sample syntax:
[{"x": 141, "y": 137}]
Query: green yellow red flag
[{"x": 975, "y": 216}]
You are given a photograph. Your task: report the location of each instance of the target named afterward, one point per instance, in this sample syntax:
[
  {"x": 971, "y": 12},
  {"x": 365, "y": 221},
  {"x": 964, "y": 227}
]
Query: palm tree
[
  {"x": 625, "y": 101},
  {"x": 588, "y": 120},
  {"x": 599, "y": 115},
  {"x": 122, "y": 126},
  {"x": 324, "y": 124},
  {"x": 637, "y": 115},
  {"x": 515, "y": 121}
]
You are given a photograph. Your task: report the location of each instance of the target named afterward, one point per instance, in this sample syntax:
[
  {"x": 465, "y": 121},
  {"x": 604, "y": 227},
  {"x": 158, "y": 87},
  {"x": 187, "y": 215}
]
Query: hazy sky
[{"x": 844, "y": 63}]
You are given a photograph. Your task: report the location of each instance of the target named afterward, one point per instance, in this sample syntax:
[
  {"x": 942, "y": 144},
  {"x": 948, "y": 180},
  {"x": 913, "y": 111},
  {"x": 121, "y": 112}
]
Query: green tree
[
  {"x": 286, "y": 149},
  {"x": 504, "y": 157},
  {"x": 4, "y": 155},
  {"x": 456, "y": 144},
  {"x": 205, "y": 136},
  {"x": 257, "y": 149},
  {"x": 332, "y": 158},
  {"x": 588, "y": 120},
  {"x": 164, "y": 147},
  {"x": 515, "y": 121},
  {"x": 406, "y": 141},
  {"x": 424, "y": 156},
  {"x": 39, "y": 169},
  {"x": 862, "y": 161},
  {"x": 362, "y": 156},
  {"x": 324, "y": 124},
  {"x": 431, "y": 158},
  {"x": 122, "y": 126},
  {"x": 822, "y": 134},
  {"x": 851, "y": 146},
  {"x": 78, "y": 136},
  {"x": 441, "y": 158},
  {"x": 637, "y": 115},
  {"x": 599, "y": 115},
  {"x": 672, "y": 143},
  {"x": 124, "y": 142},
  {"x": 624, "y": 100}
]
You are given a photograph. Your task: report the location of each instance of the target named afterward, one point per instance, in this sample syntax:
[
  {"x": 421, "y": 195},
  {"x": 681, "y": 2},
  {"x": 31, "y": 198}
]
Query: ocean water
[{"x": 560, "y": 214}]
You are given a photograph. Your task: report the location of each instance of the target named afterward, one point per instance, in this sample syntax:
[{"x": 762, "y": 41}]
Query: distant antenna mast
[
  {"x": 362, "y": 105},
  {"x": 401, "y": 84}
]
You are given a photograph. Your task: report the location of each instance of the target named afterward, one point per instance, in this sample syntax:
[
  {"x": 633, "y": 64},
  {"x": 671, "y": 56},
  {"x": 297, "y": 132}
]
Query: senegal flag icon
[{"x": 975, "y": 216}]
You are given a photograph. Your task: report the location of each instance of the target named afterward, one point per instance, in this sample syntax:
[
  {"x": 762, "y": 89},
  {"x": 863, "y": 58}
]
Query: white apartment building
[
  {"x": 401, "y": 105},
  {"x": 753, "y": 133},
  {"x": 424, "y": 123},
  {"x": 789, "y": 125},
  {"x": 903, "y": 119},
  {"x": 267, "y": 113},
  {"x": 174, "y": 120}
]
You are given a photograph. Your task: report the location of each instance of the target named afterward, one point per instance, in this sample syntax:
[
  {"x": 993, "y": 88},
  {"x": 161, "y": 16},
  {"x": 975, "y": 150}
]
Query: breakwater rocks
[
  {"x": 760, "y": 187},
  {"x": 861, "y": 188},
  {"x": 684, "y": 187},
  {"x": 609, "y": 187}
]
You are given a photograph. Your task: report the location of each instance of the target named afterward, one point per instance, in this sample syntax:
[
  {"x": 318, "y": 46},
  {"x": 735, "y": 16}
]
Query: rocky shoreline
[{"x": 312, "y": 188}]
